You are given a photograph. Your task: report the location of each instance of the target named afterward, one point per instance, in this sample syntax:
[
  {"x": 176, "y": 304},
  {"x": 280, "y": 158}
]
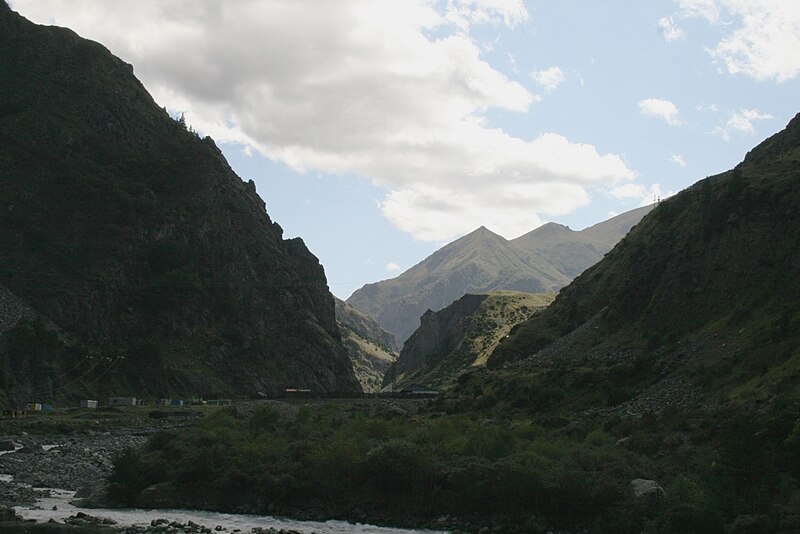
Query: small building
[
  {"x": 122, "y": 401},
  {"x": 164, "y": 402},
  {"x": 89, "y": 404},
  {"x": 176, "y": 402},
  {"x": 220, "y": 402},
  {"x": 33, "y": 407},
  {"x": 47, "y": 407}
]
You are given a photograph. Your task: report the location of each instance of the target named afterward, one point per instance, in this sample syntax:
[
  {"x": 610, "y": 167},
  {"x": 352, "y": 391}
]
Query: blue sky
[{"x": 378, "y": 131}]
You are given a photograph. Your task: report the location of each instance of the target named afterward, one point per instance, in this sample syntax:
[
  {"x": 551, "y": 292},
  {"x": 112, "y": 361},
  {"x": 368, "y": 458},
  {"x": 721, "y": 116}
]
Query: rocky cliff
[
  {"x": 461, "y": 336},
  {"x": 370, "y": 347},
  {"x": 135, "y": 238}
]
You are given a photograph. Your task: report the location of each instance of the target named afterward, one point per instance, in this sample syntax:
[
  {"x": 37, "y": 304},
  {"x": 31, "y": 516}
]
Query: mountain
[
  {"x": 460, "y": 336},
  {"x": 572, "y": 252},
  {"x": 719, "y": 259},
  {"x": 543, "y": 260},
  {"x": 151, "y": 267},
  {"x": 370, "y": 347},
  {"x": 678, "y": 356}
]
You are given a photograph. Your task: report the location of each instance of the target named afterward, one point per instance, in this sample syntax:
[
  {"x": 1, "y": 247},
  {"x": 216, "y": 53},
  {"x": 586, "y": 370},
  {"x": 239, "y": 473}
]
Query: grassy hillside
[{"x": 461, "y": 336}]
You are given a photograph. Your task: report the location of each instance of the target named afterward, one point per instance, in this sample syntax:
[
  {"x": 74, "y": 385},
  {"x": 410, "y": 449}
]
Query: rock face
[
  {"x": 370, "y": 347},
  {"x": 643, "y": 487},
  {"x": 461, "y": 336},
  {"x": 543, "y": 260},
  {"x": 703, "y": 293},
  {"x": 151, "y": 266}
]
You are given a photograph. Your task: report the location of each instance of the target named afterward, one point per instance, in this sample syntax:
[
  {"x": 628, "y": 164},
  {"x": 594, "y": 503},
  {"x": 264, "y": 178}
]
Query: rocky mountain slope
[
  {"x": 545, "y": 259},
  {"x": 461, "y": 336},
  {"x": 705, "y": 291},
  {"x": 370, "y": 347},
  {"x": 160, "y": 268}
]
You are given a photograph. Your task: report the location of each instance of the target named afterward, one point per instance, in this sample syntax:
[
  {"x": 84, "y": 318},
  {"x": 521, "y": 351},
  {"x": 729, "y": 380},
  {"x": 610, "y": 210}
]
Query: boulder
[
  {"x": 92, "y": 495},
  {"x": 162, "y": 495},
  {"x": 9, "y": 445},
  {"x": 643, "y": 487},
  {"x": 8, "y": 514},
  {"x": 33, "y": 448}
]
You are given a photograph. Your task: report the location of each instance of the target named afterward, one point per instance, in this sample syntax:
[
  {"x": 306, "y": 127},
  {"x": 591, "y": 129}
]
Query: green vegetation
[
  {"x": 333, "y": 462},
  {"x": 503, "y": 458}
]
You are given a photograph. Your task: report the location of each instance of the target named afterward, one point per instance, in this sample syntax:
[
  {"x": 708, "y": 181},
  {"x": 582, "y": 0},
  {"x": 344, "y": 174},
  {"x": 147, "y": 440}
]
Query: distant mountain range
[
  {"x": 133, "y": 261},
  {"x": 545, "y": 259}
]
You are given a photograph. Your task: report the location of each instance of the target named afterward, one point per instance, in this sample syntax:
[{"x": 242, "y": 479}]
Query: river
[{"x": 58, "y": 507}]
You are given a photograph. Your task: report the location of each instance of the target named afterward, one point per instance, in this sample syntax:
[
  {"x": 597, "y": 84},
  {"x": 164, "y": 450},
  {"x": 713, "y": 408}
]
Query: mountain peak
[
  {"x": 545, "y": 259},
  {"x": 483, "y": 231}
]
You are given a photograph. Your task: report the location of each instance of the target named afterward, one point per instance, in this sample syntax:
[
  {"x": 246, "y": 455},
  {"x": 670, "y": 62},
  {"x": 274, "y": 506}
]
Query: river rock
[
  {"x": 33, "y": 448},
  {"x": 84, "y": 519},
  {"x": 643, "y": 487},
  {"x": 9, "y": 445},
  {"x": 91, "y": 495},
  {"x": 160, "y": 495},
  {"x": 8, "y": 514}
]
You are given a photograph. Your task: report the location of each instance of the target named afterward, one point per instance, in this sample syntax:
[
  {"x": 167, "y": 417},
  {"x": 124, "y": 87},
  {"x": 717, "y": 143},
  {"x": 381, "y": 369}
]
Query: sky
[{"x": 380, "y": 130}]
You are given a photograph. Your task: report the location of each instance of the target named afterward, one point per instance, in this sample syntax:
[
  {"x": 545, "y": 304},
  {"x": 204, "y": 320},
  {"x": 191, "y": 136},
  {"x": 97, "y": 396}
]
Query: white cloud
[
  {"x": 707, "y": 108},
  {"x": 708, "y": 9},
  {"x": 669, "y": 30},
  {"x": 392, "y": 267},
  {"x": 549, "y": 78},
  {"x": 465, "y": 13},
  {"x": 662, "y": 109},
  {"x": 678, "y": 159},
  {"x": 762, "y": 37},
  {"x": 740, "y": 121},
  {"x": 393, "y": 91}
]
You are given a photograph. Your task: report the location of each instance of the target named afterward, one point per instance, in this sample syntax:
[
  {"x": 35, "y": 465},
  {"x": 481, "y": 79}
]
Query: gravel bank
[{"x": 67, "y": 462}]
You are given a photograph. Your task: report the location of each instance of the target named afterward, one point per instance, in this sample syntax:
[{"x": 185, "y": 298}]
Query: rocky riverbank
[{"x": 68, "y": 462}]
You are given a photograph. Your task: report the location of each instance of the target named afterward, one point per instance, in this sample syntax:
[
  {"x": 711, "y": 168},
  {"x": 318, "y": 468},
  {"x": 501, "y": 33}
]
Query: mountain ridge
[{"x": 542, "y": 260}]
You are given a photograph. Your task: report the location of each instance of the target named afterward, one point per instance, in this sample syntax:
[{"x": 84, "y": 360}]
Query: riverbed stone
[
  {"x": 643, "y": 487},
  {"x": 160, "y": 495},
  {"x": 9, "y": 445},
  {"x": 33, "y": 448}
]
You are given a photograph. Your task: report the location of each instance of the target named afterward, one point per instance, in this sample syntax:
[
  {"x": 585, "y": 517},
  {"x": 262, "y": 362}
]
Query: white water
[{"x": 43, "y": 512}]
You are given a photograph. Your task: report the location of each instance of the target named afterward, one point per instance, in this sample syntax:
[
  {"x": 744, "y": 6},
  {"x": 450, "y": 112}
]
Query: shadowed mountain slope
[
  {"x": 160, "y": 268},
  {"x": 709, "y": 279}
]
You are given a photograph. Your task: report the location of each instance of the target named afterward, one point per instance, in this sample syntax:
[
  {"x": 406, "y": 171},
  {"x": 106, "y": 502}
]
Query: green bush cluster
[{"x": 421, "y": 468}]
